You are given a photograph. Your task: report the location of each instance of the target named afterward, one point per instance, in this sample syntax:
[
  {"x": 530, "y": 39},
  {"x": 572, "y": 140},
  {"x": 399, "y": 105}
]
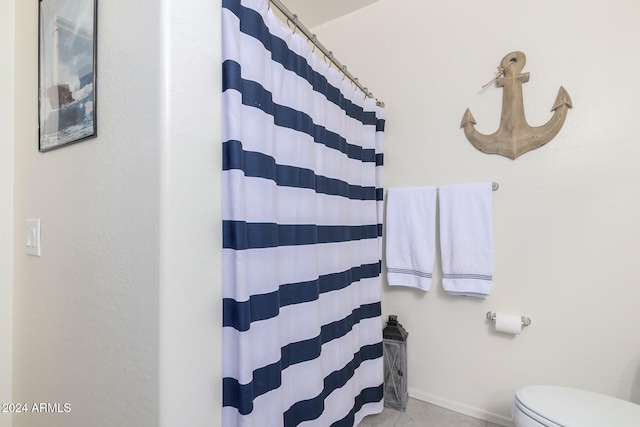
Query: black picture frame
[{"x": 67, "y": 54}]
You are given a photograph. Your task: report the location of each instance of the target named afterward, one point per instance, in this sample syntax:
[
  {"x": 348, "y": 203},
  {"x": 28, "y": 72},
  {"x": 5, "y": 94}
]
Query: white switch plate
[{"x": 32, "y": 237}]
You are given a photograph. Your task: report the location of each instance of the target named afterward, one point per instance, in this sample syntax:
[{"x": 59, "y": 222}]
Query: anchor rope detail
[{"x": 500, "y": 74}]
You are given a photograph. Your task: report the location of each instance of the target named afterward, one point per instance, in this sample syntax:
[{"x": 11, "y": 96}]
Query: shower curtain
[{"x": 302, "y": 226}]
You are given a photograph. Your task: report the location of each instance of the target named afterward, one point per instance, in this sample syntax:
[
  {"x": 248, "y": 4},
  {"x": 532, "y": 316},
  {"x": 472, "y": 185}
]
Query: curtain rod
[{"x": 293, "y": 18}]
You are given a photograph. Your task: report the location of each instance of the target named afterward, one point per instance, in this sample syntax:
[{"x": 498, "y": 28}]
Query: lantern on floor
[{"x": 395, "y": 364}]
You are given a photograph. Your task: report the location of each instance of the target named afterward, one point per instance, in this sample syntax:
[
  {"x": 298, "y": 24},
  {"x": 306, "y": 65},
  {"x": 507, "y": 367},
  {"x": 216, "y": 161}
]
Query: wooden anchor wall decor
[{"x": 515, "y": 137}]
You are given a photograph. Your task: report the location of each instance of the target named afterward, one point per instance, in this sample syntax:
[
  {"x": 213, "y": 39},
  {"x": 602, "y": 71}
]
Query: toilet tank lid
[{"x": 566, "y": 406}]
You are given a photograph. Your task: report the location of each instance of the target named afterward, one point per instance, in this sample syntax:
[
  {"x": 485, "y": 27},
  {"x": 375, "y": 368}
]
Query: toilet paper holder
[{"x": 491, "y": 315}]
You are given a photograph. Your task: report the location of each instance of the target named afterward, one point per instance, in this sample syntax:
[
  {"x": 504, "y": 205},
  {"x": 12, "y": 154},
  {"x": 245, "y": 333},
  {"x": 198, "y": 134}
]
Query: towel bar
[
  {"x": 492, "y": 316},
  {"x": 494, "y": 186}
]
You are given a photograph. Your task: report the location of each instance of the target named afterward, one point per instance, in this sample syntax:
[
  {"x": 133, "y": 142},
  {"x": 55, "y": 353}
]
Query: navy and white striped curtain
[{"x": 302, "y": 226}]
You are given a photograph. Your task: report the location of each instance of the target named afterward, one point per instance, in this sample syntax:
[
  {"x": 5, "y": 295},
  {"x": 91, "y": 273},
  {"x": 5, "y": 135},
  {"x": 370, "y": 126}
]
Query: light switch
[{"x": 32, "y": 237}]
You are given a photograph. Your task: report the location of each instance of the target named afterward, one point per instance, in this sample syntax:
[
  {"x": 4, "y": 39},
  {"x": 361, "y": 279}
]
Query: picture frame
[{"x": 67, "y": 54}]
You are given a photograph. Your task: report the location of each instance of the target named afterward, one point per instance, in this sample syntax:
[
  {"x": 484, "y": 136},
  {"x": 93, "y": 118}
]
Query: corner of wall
[{"x": 190, "y": 215}]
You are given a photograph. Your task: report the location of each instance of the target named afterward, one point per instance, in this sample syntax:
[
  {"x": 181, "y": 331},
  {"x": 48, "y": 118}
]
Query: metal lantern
[{"x": 395, "y": 364}]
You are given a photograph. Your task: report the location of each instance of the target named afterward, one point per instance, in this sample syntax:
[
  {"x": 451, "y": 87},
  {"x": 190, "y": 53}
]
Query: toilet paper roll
[{"x": 508, "y": 323}]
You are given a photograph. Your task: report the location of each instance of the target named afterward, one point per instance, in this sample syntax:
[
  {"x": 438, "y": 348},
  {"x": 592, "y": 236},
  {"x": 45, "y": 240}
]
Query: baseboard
[{"x": 461, "y": 408}]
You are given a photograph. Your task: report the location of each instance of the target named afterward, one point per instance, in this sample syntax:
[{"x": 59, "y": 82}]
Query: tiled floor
[{"x": 420, "y": 414}]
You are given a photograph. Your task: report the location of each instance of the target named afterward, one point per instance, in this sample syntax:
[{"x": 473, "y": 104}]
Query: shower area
[{"x": 302, "y": 227}]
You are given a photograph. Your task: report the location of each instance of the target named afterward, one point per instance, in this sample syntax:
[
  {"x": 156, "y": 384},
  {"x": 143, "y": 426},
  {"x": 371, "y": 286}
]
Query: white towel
[
  {"x": 411, "y": 236},
  {"x": 466, "y": 239}
]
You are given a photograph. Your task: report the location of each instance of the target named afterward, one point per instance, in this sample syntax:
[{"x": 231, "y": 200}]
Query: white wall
[
  {"x": 86, "y": 313},
  {"x": 567, "y": 234},
  {"x": 120, "y": 317},
  {"x": 6, "y": 201}
]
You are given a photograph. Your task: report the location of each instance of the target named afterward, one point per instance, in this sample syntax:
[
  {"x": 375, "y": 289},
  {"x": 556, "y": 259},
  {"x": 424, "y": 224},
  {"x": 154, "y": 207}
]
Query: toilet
[{"x": 553, "y": 406}]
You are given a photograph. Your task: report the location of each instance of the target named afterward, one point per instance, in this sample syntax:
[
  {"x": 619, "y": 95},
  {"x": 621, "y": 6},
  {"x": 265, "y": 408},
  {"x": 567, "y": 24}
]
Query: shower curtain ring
[
  {"x": 330, "y": 57},
  {"x": 295, "y": 19},
  {"x": 344, "y": 72},
  {"x": 314, "y": 40}
]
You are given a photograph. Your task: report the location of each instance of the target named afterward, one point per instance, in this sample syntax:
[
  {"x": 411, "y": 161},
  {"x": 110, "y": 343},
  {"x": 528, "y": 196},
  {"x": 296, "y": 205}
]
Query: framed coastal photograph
[{"x": 66, "y": 72}]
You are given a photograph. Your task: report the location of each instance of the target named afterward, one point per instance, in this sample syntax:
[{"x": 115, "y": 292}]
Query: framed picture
[{"x": 66, "y": 72}]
